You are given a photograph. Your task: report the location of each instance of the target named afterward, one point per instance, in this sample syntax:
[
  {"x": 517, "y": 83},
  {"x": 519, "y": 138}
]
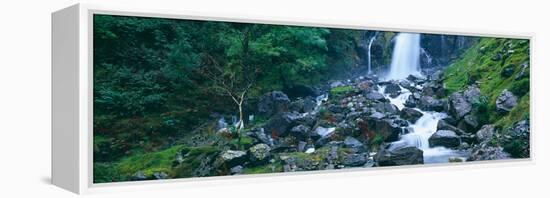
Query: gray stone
[
  {"x": 506, "y": 101},
  {"x": 399, "y": 156},
  {"x": 485, "y": 133},
  {"x": 355, "y": 159},
  {"x": 259, "y": 152},
  {"x": 412, "y": 115},
  {"x": 232, "y": 157},
  {"x": 272, "y": 103},
  {"x": 444, "y": 138}
]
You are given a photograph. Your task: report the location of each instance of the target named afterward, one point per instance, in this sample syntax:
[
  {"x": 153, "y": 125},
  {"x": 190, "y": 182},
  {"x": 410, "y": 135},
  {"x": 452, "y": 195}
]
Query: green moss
[
  {"x": 481, "y": 64},
  {"x": 338, "y": 91},
  {"x": 150, "y": 163},
  {"x": 267, "y": 168}
]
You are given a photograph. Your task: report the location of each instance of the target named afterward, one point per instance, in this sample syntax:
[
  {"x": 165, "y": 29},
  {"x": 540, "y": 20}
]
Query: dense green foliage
[{"x": 150, "y": 75}]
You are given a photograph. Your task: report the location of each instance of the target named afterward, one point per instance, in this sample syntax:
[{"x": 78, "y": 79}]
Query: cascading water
[
  {"x": 405, "y": 57},
  {"x": 405, "y": 62},
  {"x": 372, "y": 39}
]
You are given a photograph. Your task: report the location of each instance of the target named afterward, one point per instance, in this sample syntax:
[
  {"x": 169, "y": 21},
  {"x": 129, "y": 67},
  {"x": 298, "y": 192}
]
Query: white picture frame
[{"x": 72, "y": 104}]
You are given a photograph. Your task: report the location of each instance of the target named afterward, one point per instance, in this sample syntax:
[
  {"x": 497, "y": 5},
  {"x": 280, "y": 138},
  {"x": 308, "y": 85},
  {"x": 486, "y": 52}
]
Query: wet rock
[
  {"x": 375, "y": 96},
  {"x": 416, "y": 79},
  {"x": 279, "y": 124},
  {"x": 399, "y": 156},
  {"x": 411, "y": 115},
  {"x": 459, "y": 106},
  {"x": 393, "y": 90},
  {"x": 260, "y": 136},
  {"x": 385, "y": 127},
  {"x": 355, "y": 159},
  {"x": 485, "y": 133},
  {"x": 259, "y": 153},
  {"x": 469, "y": 123},
  {"x": 428, "y": 103},
  {"x": 233, "y": 158},
  {"x": 506, "y": 101},
  {"x": 386, "y": 108},
  {"x": 354, "y": 144},
  {"x": 272, "y": 103},
  {"x": 445, "y": 138},
  {"x": 444, "y": 125},
  {"x": 301, "y": 131},
  {"x": 412, "y": 101},
  {"x": 433, "y": 89}
]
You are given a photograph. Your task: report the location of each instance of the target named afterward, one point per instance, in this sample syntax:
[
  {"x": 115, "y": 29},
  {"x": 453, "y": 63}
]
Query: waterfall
[
  {"x": 369, "y": 51},
  {"x": 405, "y": 57}
]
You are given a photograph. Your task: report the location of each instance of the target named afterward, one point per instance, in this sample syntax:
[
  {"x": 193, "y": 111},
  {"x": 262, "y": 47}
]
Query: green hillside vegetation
[{"x": 495, "y": 64}]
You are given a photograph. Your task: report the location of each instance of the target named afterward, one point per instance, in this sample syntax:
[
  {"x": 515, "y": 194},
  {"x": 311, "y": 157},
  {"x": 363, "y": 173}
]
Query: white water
[
  {"x": 369, "y": 53},
  {"x": 405, "y": 57},
  {"x": 421, "y": 131}
]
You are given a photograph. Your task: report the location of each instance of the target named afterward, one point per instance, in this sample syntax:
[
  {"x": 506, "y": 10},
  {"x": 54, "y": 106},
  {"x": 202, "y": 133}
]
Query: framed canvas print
[{"x": 150, "y": 97}]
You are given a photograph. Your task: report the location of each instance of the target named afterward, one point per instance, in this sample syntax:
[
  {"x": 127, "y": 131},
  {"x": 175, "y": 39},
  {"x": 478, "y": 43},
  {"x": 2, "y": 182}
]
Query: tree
[{"x": 236, "y": 76}]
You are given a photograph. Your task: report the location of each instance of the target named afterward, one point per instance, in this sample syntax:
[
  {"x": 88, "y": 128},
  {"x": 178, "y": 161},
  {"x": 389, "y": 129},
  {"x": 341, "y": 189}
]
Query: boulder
[
  {"x": 279, "y": 124},
  {"x": 260, "y": 136},
  {"x": 386, "y": 127},
  {"x": 272, "y": 103},
  {"x": 388, "y": 156},
  {"x": 386, "y": 108},
  {"x": 354, "y": 144},
  {"x": 393, "y": 90},
  {"x": 233, "y": 158},
  {"x": 444, "y": 125},
  {"x": 412, "y": 100},
  {"x": 428, "y": 103},
  {"x": 303, "y": 105},
  {"x": 445, "y": 138},
  {"x": 259, "y": 153},
  {"x": 485, "y": 151},
  {"x": 472, "y": 94},
  {"x": 375, "y": 96},
  {"x": 409, "y": 114},
  {"x": 354, "y": 159},
  {"x": 300, "y": 131},
  {"x": 485, "y": 133},
  {"x": 469, "y": 123},
  {"x": 433, "y": 89},
  {"x": 459, "y": 105},
  {"x": 506, "y": 101}
]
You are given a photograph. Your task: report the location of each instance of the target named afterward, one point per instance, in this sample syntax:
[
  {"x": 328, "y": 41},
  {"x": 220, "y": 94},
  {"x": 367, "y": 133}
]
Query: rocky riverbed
[{"x": 360, "y": 122}]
